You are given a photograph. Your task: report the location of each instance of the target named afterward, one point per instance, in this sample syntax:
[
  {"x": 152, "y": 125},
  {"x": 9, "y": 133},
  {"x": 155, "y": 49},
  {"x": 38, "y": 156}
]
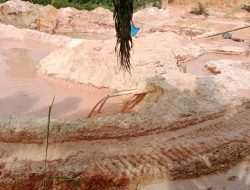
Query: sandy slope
[{"x": 189, "y": 125}]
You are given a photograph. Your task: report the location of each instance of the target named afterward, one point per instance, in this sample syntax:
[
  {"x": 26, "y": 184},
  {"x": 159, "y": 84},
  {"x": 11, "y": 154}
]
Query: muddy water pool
[{"x": 24, "y": 92}]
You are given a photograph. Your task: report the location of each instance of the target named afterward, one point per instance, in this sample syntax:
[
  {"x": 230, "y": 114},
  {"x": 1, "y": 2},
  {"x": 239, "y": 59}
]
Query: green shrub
[
  {"x": 157, "y": 4},
  {"x": 91, "y": 4},
  {"x": 41, "y": 2},
  {"x": 143, "y": 3},
  {"x": 199, "y": 9},
  {"x": 60, "y": 3},
  {"x": 76, "y": 5},
  {"x": 3, "y": 1}
]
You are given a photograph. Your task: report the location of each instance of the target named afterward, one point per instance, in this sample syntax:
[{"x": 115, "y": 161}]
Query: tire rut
[{"x": 196, "y": 150}]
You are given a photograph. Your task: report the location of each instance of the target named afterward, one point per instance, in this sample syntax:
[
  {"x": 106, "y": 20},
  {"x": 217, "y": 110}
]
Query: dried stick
[
  {"x": 93, "y": 109},
  {"x": 136, "y": 99},
  {"x": 220, "y": 33},
  {"x": 101, "y": 102}
]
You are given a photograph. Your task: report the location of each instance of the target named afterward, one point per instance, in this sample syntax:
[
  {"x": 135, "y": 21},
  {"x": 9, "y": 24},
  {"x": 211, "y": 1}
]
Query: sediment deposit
[{"x": 193, "y": 121}]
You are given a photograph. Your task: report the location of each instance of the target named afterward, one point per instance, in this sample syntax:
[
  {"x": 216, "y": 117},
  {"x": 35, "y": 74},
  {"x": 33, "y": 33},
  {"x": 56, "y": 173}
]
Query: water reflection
[
  {"x": 20, "y": 63},
  {"x": 25, "y": 92}
]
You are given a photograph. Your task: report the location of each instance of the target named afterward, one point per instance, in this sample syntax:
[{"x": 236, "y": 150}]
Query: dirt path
[{"x": 185, "y": 153}]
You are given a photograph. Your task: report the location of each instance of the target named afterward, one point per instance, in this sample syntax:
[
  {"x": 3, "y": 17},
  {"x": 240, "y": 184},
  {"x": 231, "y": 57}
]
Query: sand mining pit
[
  {"x": 193, "y": 122},
  {"x": 26, "y": 93}
]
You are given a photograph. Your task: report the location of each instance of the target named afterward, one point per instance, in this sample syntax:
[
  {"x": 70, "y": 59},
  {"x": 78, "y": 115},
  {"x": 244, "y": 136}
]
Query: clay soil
[{"x": 191, "y": 131}]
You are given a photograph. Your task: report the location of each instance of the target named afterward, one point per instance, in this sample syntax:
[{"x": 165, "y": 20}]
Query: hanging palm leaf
[{"x": 123, "y": 12}]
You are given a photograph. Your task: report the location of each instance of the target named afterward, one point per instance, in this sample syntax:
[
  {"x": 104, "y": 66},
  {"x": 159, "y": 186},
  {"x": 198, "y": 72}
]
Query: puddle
[
  {"x": 197, "y": 66},
  {"x": 24, "y": 92}
]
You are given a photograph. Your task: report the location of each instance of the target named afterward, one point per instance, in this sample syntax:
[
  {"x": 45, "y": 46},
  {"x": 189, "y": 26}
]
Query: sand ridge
[{"x": 192, "y": 123}]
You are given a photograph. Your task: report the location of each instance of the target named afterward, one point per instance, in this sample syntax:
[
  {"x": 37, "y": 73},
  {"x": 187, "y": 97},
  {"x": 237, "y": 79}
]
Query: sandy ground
[
  {"x": 120, "y": 163},
  {"x": 26, "y": 93},
  {"x": 194, "y": 120},
  {"x": 198, "y": 66},
  {"x": 236, "y": 178}
]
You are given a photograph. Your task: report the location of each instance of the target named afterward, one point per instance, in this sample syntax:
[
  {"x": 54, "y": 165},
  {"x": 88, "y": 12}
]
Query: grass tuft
[{"x": 199, "y": 9}]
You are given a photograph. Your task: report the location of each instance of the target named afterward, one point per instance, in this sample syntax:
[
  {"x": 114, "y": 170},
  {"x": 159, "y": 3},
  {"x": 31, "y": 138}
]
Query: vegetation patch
[
  {"x": 92, "y": 4},
  {"x": 199, "y": 9}
]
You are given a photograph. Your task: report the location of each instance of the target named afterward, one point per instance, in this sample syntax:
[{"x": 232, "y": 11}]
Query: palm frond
[{"x": 123, "y": 12}]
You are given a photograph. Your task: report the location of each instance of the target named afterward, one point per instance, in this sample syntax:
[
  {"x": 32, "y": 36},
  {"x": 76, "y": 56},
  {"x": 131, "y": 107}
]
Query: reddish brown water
[{"x": 24, "y": 92}]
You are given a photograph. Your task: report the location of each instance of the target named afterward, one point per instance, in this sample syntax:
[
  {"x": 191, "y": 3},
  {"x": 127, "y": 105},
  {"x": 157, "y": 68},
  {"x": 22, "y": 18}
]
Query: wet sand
[
  {"x": 89, "y": 36},
  {"x": 28, "y": 45},
  {"x": 23, "y": 92},
  {"x": 197, "y": 66},
  {"x": 237, "y": 178}
]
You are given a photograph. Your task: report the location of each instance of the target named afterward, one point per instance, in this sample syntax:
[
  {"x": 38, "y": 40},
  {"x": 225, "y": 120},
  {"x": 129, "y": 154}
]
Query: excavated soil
[
  {"x": 199, "y": 66},
  {"x": 211, "y": 146},
  {"x": 236, "y": 178},
  {"x": 193, "y": 121}
]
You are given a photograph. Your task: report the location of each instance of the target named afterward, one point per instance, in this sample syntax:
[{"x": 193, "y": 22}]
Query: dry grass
[
  {"x": 199, "y": 9},
  {"x": 47, "y": 145}
]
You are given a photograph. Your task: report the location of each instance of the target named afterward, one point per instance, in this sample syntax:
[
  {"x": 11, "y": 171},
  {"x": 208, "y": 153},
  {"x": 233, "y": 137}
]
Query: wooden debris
[
  {"x": 136, "y": 98},
  {"x": 132, "y": 102},
  {"x": 220, "y": 33}
]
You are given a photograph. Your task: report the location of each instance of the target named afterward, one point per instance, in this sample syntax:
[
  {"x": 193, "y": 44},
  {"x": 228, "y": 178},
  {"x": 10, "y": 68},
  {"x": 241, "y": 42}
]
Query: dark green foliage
[
  {"x": 78, "y": 4},
  {"x": 3, "y": 1},
  {"x": 91, "y": 4},
  {"x": 60, "y": 3},
  {"x": 157, "y": 4},
  {"x": 143, "y": 3},
  {"x": 41, "y": 2},
  {"x": 123, "y": 12}
]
